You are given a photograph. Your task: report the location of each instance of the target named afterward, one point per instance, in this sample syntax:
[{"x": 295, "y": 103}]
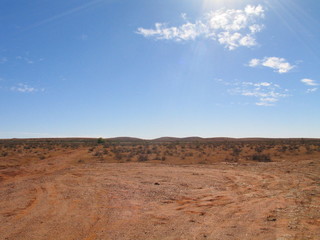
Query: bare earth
[{"x": 59, "y": 198}]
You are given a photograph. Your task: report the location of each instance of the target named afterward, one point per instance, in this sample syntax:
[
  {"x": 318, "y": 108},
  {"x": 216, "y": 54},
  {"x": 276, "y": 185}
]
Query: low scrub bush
[{"x": 261, "y": 158}]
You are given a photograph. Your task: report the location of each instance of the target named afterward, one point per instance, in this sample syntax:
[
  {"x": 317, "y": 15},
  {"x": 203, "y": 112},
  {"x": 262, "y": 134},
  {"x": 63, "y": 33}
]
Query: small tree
[{"x": 100, "y": 140}]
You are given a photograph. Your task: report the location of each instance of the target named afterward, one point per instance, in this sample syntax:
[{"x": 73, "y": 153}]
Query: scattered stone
[{"x": 271, "y": 218}]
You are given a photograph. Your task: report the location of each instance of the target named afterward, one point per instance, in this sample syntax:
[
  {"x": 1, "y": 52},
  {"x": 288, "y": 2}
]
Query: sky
[{"x": 147, "y": 69}]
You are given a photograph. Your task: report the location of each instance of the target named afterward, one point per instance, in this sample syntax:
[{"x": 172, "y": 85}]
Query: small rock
[{"x": 271, "y": 218}]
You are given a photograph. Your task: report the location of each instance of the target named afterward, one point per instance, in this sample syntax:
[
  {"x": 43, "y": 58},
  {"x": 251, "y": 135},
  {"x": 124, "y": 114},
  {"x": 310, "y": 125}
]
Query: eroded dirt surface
[{"x": 62, "y": 199}]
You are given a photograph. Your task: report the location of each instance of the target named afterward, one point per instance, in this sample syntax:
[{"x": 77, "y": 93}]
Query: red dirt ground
[{"x": 61, "y": 198}]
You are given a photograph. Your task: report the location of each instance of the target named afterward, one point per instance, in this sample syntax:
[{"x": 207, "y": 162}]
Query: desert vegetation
[
  {"x": 183, "y": 151},
  {"x": 168, "y": 188}
]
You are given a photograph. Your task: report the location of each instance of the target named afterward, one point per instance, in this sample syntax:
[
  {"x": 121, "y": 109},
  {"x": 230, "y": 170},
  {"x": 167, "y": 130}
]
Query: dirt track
[{"x": 58, "y": 199}]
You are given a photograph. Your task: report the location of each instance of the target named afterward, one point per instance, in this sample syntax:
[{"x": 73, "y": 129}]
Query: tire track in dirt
[
  {"x": 20, "y": 211},
  {"x": 145, "y": 201},
  {"x": 231, "y": 203}
]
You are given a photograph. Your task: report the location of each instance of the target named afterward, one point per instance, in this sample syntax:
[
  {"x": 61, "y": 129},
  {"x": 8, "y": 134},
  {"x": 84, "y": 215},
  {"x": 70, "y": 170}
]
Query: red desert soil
[{"x": 60, "y": 198}]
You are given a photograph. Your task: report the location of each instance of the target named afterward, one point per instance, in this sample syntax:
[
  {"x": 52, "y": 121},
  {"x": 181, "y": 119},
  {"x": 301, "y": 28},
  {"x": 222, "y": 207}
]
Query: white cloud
[
  {"x": 309, "y": 82},
  {"x": 23, "y": 88},
  {"x": 280, "y": 65},
  {"x": 265, "y": 84},
  {"x": 269, "y": 99},
  {"x": 252, "y": 10},
  {"x": 256, "y": 28},
  {"x": 266, "y": 104},
  {"x": 184, "y": 16},
  {"x": 254, "y": 62},
  {"x": 266, "y": 93},
  {"x": 230, "y": 27},
  {"x": 187, "y": 31},
  {"x": 311, "y": 90}
]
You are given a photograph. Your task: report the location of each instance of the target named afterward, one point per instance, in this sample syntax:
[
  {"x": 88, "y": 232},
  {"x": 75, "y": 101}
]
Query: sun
[{"x": 210, "y": 4}]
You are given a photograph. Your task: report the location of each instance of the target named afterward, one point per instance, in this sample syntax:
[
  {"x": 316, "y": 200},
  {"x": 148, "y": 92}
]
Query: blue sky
[{"x": 157, "y": 68}]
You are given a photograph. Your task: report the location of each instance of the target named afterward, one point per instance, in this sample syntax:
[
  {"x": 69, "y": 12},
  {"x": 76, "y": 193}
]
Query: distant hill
[
  {"x": 125, "y": 139},
  {"x": 200, "y": 139},
  {"x": 157, "y": 140},
  {"x": 175, "y": 139}
]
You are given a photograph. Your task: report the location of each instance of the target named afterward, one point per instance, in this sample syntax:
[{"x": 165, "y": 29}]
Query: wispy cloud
[
  {"x": 279, "y": 65},
  {"x": 84, "y": 37},
  {"x": 309, "y": 82},
  {"x": 265, "y": 93},
  {"x": 23, "y": 88},
  {"x": 311, "y": 90},
  {"x": 230, "y": 27},
  {"x": 29, "y": 60},
  {"x": 3, "y": 59}
]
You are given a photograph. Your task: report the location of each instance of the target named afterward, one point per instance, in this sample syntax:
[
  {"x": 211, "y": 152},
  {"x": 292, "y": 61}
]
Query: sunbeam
[{"x": 69, "y": 12}]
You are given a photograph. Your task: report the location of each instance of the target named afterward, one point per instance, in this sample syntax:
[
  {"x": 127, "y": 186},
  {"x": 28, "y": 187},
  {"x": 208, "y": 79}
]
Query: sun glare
[{"x": 209, "y": 4}]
